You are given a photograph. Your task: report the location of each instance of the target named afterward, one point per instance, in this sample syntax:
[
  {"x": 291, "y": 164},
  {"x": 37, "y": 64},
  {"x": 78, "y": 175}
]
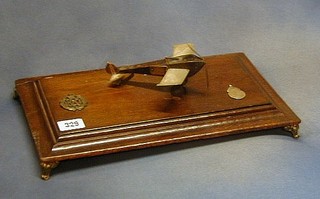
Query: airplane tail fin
[
  {"x": 111, "y": 69},
  {"x": 116, "y": 78}
]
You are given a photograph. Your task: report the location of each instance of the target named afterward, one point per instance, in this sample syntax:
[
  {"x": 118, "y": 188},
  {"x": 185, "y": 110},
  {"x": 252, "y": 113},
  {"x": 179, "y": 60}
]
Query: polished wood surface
[{"x": 139, "y": 114}]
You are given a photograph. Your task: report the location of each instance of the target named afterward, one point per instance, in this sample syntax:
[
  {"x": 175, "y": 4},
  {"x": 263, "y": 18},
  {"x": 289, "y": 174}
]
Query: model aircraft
[{"x": 184, "y": 63}]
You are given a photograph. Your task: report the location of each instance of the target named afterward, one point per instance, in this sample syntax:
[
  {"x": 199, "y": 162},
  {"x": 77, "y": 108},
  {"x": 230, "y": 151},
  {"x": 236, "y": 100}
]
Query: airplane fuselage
[{"x": 194, "y": 64}]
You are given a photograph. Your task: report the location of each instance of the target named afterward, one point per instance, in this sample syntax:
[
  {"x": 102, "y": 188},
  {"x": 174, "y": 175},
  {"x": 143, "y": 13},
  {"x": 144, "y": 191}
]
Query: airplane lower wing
[{"x": 174, "y": 77}]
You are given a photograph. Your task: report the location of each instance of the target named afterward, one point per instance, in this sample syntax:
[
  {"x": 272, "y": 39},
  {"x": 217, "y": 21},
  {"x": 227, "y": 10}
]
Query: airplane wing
[{"x": 174, "y": 76}]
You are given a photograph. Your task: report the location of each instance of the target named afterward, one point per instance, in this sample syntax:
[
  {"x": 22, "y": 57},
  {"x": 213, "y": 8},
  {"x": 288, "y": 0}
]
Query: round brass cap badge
[{"x": 73, "y": 102}]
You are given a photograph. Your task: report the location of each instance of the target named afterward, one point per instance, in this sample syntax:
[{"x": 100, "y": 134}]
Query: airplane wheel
[{"x": 178, "y": 91}]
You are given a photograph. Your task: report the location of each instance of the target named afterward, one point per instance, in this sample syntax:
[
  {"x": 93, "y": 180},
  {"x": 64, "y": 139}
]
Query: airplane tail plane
[{"x": 116, "y": 78}]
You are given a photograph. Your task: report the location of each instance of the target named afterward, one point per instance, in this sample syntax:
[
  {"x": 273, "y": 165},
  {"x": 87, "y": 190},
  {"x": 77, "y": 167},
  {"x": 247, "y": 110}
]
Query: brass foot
[
  {"x": 293, "y": 129},
  {"x": 46, "y": 169}
]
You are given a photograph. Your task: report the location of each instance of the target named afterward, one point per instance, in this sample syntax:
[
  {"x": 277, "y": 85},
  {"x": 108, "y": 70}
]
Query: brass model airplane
[{"x": 175, "y": 70}]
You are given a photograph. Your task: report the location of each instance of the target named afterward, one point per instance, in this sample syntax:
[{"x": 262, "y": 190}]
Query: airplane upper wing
[
  {"x": 174, "y": 76},
  {"x": 184, "y": 49}
]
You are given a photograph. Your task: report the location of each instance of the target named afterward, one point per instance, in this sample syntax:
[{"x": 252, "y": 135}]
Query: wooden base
[{"x": 139, "y": 114}]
